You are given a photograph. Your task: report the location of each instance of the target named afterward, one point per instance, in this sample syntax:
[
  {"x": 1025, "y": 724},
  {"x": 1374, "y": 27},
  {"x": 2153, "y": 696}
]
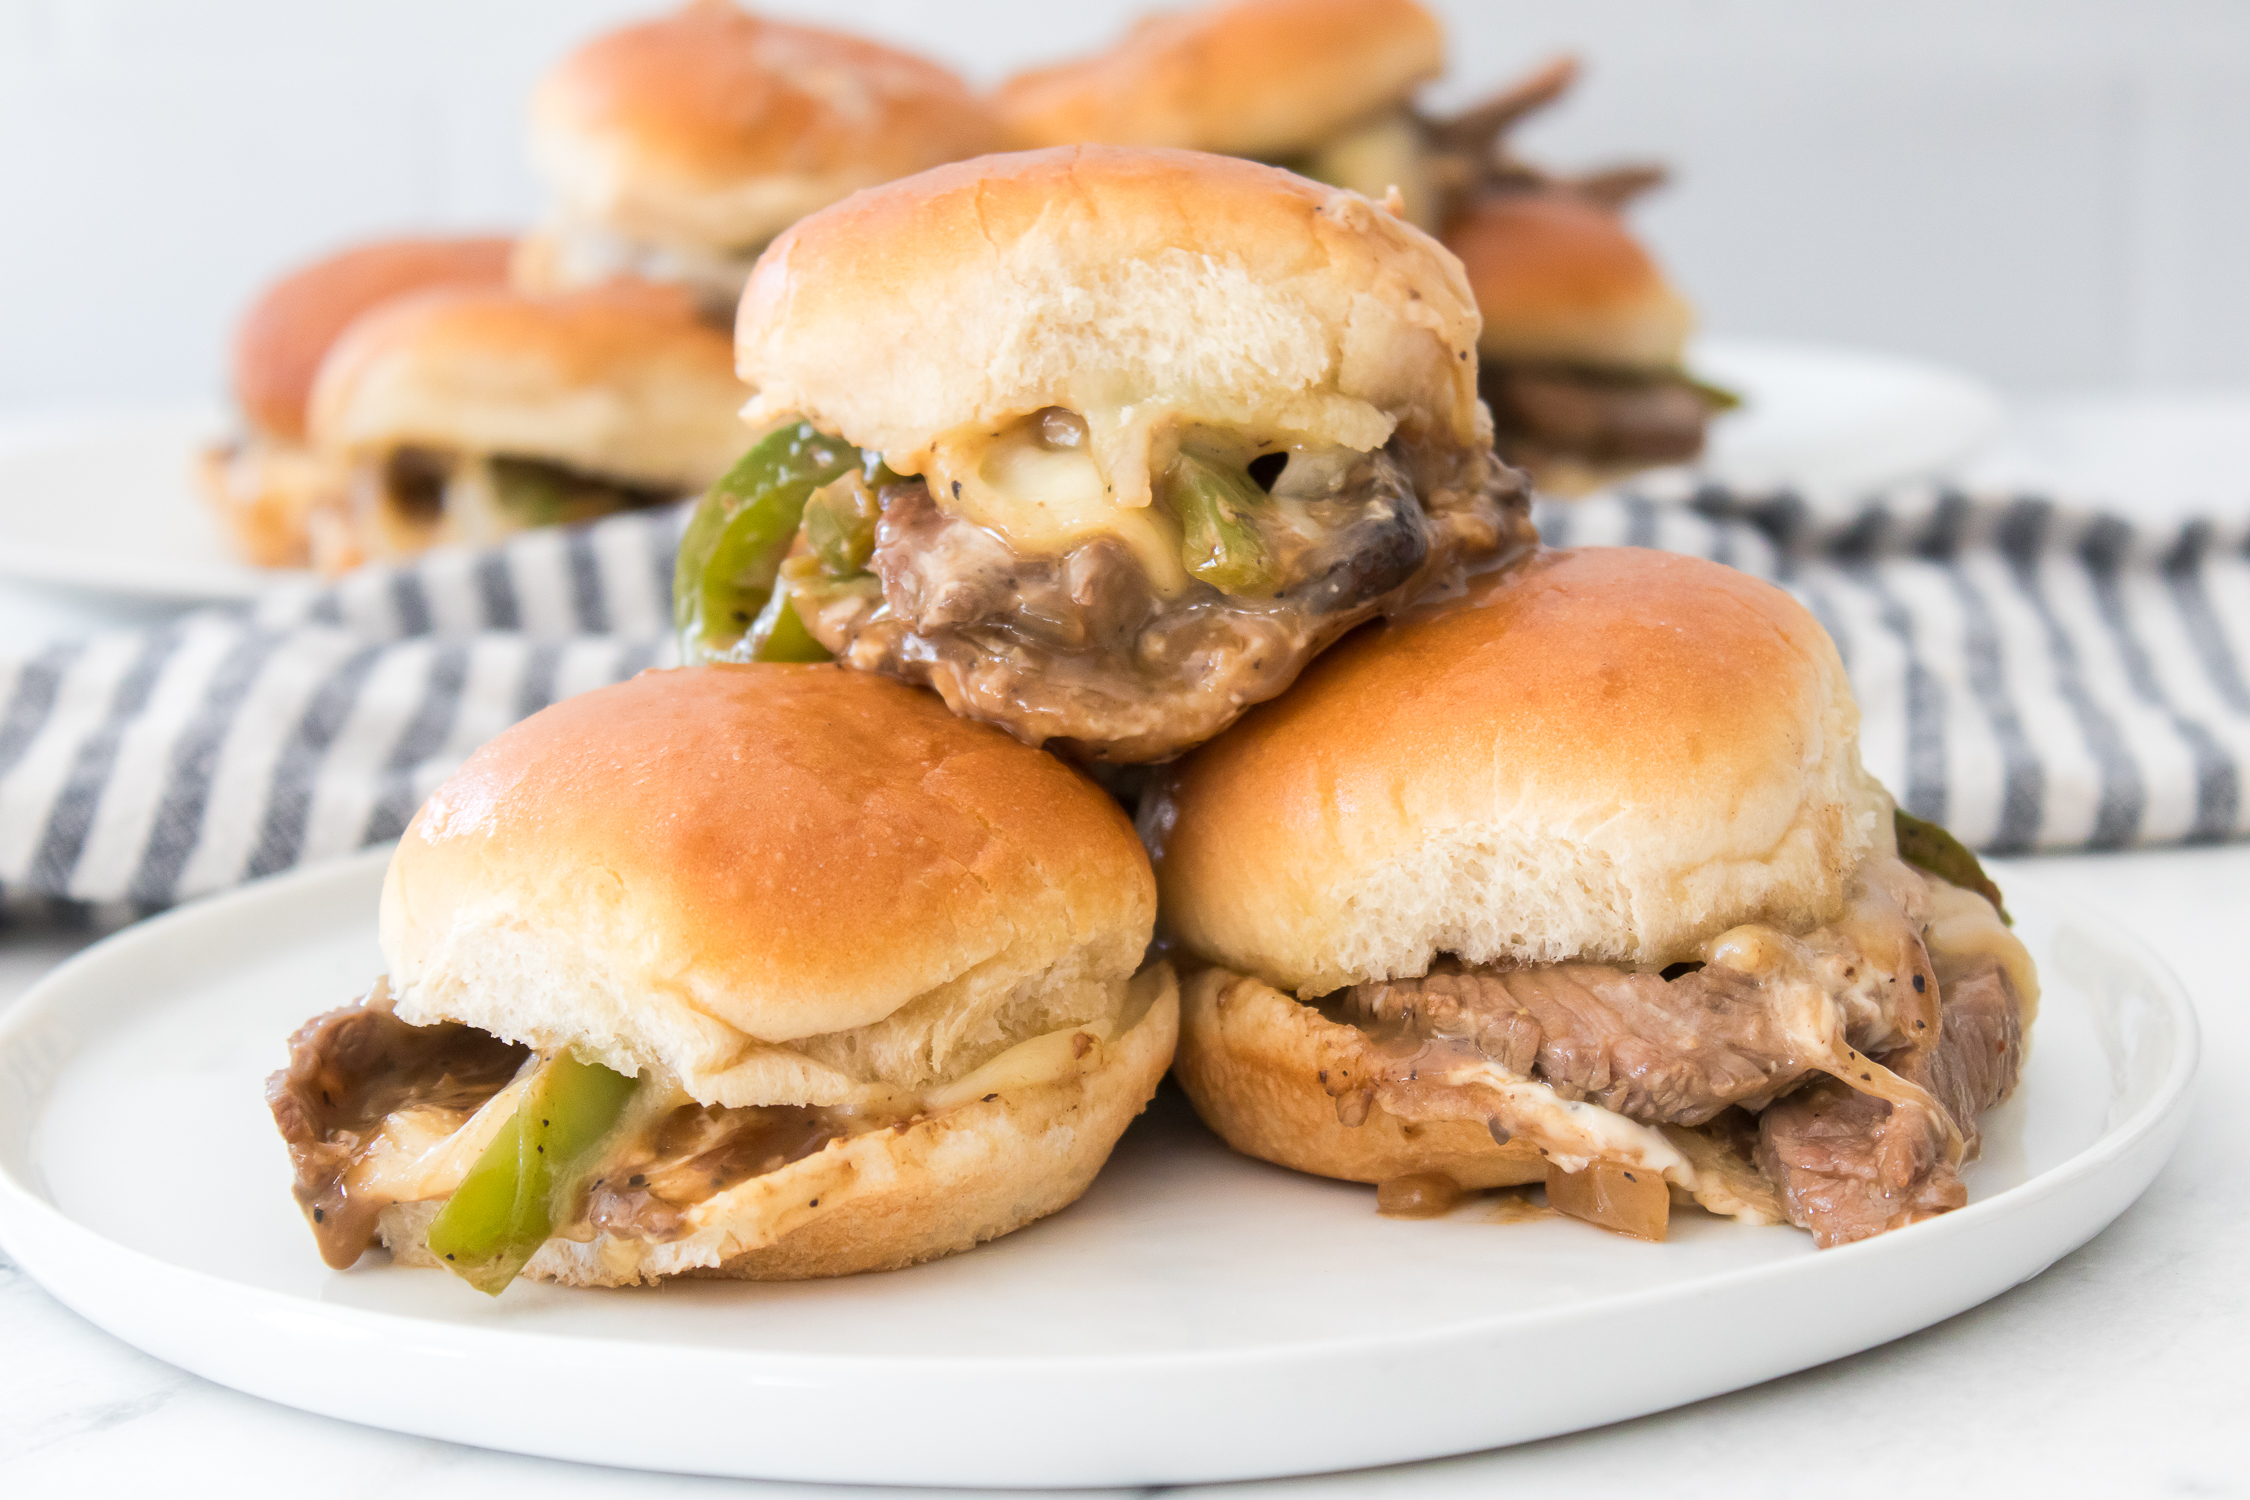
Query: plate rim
[{"x": 221, "y": 581}]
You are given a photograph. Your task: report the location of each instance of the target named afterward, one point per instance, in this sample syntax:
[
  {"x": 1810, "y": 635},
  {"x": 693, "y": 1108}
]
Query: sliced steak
[
  {"x": 1599, "y": 417},
  {"x": 349, "y": 1070},
  {"x": 698, "y": 1151},
  {"x": 1850, "y": 1165},
  {"x": 1672, "y": 1052},
  {"x": 1080, "y": 648}
]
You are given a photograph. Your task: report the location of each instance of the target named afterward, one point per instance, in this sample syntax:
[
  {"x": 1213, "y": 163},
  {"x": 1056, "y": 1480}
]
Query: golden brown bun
[
  {"x": 714, "y": 127},
  {"x": 621, "y": 381},
  {"x": 1608, "y": 754},
  {"x": 1560, "y": 279},
  {"x": 1264, "y": 78},
  {"x": 1256, "y": 1064},
  {"x": 891, "y": 1198},
  {"x": 780, "y": 884},
  {"x": 286, "y": 333},
  {"x": 1168, "y": 284}
]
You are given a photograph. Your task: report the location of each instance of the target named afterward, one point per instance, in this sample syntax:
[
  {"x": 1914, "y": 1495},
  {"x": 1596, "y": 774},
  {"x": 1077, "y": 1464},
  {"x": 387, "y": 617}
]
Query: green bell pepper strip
[
  {"x": 531, "y": 1173},
  {"x": 740, "y": 532},
  {"x": 532, "y": 491},
  {"x": 778, "y": 635},
  {"x": 1218, "y": 542},
  {"x": 840, "y": 525},
  {"x": 1929, "y": 847}
]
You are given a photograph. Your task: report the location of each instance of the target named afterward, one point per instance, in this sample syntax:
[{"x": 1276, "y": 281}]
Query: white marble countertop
[{"x": 2122, "y": 1370}]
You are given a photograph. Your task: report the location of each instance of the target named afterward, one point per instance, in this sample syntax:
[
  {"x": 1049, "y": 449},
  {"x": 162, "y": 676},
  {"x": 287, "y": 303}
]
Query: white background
[{"x": 2052, "y": 193}]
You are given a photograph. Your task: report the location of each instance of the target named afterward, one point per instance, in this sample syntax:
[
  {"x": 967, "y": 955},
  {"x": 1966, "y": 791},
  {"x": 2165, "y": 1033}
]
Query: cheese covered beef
[
  {"x": 757, "y": 971},
  {"x": 1609, "y": 904},
  {"x": 272, "y": 490},
  {"x": 1103, "y": 444}
]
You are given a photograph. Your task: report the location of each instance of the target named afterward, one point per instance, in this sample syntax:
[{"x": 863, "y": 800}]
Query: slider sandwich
[
  {"x": 1579, "y": 880},
  {"x": 678, "y": 147},
  {"x": 467, "y": 415},
  {"x": 1104, "y": 444},
  {"x": 267, "y": 483},
  {"x": 1324, "y": 87},
  {"x": 762, "y": 972},
  {"x": 1582, "y": 355}
]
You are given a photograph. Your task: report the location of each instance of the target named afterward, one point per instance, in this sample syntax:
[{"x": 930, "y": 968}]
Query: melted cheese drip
[
  {"x": 1044, "y": 501},
  {"x": 421, "y": 1153},
  {"x": 1811, "y": 996},
  {"x": 1964, "y": 925}
]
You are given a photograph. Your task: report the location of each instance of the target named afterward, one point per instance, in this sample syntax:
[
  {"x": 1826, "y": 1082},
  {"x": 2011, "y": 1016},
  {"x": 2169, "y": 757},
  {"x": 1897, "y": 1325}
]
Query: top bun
[
  {"x": 1264, "y": 78},
  {"x": 780, "y": 884},
  {"x": 713, "y": 127},
  {"x": 288, "y": 330},
  {"x": 1560, "y": 279},
  {"x": 1136, "y": 287},
  {"x": 622, "y": 381},
  {"x": 1609, "y": 754}
]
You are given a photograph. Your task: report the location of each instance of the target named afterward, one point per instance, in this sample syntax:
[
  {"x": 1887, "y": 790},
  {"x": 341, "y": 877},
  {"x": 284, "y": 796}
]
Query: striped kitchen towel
[{"x": 2034, "y": 676}]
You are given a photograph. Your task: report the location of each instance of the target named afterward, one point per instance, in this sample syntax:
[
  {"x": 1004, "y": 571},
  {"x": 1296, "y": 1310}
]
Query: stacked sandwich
[
  {"x": 1584, "y": 339},
  {"x": 405, "y": 394},
  {"x": 826, "y": 953}
]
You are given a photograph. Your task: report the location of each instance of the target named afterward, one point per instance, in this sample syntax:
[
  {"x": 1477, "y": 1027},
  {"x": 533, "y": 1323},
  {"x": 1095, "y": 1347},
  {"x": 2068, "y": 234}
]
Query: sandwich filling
[
  {"x": 482, "y": 1152},
  {"x": 410, "y": 499},
  {"x": 1028, "y": 598},
  {"x": 1438, "y": 164},
  {"x": 1601, "y": 416},
  {"x": 1833, "y": 1077}
]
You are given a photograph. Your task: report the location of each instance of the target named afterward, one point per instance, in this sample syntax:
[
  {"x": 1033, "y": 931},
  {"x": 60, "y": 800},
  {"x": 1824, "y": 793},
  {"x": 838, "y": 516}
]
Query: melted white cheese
[
  {"x": 1964, "y": 925},
  {"x": 1044, "y": 501}
]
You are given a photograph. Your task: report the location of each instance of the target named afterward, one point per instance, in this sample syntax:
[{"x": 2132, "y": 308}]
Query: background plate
[
  {"x": 1196, "y": 1317},
  {"x": 110, "y": 503},
  {"x": 1836, "y": 423}
]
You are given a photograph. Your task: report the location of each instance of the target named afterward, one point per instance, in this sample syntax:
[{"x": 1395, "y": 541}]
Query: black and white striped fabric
[{"x": 2034, "y": 677}]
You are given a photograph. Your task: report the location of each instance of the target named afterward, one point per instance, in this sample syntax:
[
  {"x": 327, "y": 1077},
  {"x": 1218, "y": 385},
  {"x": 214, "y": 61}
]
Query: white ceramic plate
[
  {"x": 110, "y": 503},
  {"x": 1196, "y": 1317},
  {"x": 1835, "y": 423}
]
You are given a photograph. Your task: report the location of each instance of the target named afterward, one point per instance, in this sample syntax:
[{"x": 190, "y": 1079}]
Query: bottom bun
[
  {"x": 1256, "y": 1063},
  {"x": 898, "y": 1196}
]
